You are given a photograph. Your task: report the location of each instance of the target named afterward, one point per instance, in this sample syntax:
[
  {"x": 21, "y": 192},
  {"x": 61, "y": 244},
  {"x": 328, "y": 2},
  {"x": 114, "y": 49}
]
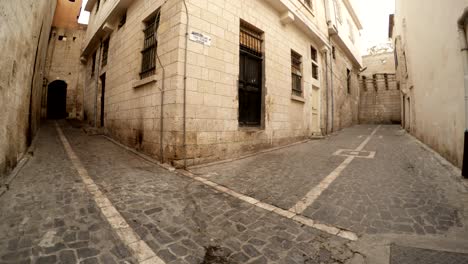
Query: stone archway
[{"x": 57, "y": 100}]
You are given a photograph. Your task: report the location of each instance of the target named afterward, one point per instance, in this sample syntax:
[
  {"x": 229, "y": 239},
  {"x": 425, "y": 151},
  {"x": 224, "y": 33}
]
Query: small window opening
[{"x": 296, "y": 73}]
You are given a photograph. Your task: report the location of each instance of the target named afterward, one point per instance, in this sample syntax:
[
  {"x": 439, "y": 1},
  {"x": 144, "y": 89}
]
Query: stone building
[
  {"x": 380, "y": 101},
  {"x": 63, "y": 96},
  {"x": 24, "y": 33},
  {"x": 430, "y": 73},
  {"x": 202, "y": 80}
]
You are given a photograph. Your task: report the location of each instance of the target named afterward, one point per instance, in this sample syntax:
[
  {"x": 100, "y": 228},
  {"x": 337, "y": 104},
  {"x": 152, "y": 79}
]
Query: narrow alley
[{"x": 233, "y": 132}]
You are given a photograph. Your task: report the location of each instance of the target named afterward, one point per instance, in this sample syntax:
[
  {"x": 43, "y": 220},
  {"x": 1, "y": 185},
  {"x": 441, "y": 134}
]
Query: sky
[
  {"x": 373, "y": 14},
  {"x": 374, "y": 18},
  {"x": 84, "y": 16}
]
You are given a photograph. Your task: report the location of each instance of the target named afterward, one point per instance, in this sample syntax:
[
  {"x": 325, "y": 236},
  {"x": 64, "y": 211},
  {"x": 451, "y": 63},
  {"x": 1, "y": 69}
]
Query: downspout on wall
[
  {"x": 185, "y": 84},
  {"x": 329, "y": 121},
  {"x": 161, "y": 117},
  {"x": 462, "y": 29}
]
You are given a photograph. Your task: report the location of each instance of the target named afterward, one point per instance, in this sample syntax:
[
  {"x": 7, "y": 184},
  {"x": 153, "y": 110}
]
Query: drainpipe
[
  {"x": 327, "y": 17},
  {"x": 332, "y": 97},
  {"x": 185, "y": 85},
  {"x": 161, "y": 117},
  {"x": 462, "y": 26},
  {"x": 326, "y": 94}
]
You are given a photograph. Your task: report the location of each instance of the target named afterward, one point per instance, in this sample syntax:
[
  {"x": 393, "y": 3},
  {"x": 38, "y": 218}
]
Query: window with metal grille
[
  {"x": 315, "y": 66},
  {"x": 250, "y": 75},
  {"x": 148, "y": 62},
  {"x": 105, "y": 52},
  {"x": 296, "y": 73}
]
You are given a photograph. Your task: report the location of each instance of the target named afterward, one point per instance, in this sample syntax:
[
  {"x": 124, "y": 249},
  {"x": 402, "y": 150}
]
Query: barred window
[
  {"x": 250, "y": 75},
  {"x": 105, "y": 52},
  {"x": 148, "y": 62},
  {"x": 296, "y": 73}
]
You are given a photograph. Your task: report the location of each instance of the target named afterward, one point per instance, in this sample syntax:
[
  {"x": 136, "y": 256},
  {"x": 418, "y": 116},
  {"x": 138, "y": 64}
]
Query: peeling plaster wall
[{"x": 24, "y": 33}]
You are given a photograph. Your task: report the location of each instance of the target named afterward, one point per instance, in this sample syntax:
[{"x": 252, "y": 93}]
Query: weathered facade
[
  {"x": 63, "y": 97},
  {"x": 380, "y": 101},
  {"x": 430, "y": 73},
  {"x": 250, "y": 75},
  {"x": 24, "y": 33}
]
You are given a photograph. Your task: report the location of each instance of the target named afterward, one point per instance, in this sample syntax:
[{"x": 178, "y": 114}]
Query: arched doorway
[{"x": 57, "y": 100}]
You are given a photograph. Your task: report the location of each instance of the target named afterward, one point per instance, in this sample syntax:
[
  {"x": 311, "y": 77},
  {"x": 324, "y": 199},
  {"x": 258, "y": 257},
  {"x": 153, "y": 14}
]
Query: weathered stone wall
[
  {"x": 344, "y": 104},
  {"x": 133, "y": 106},
  {"x": 430, "y": 72},
  {"x": 24, "y": 33},
  {"x": 380, "y": 101},
  {"x": 64, "y": 64}
]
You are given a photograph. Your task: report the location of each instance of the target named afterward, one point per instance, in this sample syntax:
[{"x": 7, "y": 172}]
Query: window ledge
[
  {"x": 147, "y": 80},
  {"x": 297, "y": 98},
  {"x": 251, "y": 128}
]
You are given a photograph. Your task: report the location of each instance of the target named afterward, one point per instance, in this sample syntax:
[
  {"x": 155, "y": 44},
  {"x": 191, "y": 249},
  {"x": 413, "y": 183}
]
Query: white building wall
[{"x": 432, "y": 85}]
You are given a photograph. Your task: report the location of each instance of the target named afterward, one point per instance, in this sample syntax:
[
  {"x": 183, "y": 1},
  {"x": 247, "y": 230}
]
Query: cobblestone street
[
  {"x": 50, "y": 218},
  {"x": 403, "y": 195}
]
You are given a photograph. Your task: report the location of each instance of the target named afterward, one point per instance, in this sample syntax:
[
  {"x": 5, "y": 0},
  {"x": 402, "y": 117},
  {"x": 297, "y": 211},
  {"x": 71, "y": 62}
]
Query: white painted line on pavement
[
  {"x": 141, "y": 251},
  {"x": 274, "y": 209},
  {"x": 313, "y": 194},
  {"x": 364, "y": 143}
]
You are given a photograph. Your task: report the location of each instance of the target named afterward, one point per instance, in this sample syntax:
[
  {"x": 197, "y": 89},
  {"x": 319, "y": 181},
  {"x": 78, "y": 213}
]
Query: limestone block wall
[
  {"x": 380, "y": 104},
  {"x": 133, "y": 106},
  {"x": 24, "y": 33},
  {"x": 212, "y": 122},
  {"x": 345, "y": 107},
  {"x": 380, "y": 101},
  {"x": 64, "y": 64}
]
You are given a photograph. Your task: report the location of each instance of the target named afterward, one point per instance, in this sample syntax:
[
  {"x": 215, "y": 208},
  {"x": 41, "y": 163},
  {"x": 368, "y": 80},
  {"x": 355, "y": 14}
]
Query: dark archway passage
[{"x": 57, "y": 100}]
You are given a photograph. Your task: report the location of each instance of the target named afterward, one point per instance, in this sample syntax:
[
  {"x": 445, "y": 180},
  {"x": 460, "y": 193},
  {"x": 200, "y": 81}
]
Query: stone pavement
[
  {"x": 404, "y": 190},
  {"x": 411, "y": 255},
  {"x": 48, "y": 217}
]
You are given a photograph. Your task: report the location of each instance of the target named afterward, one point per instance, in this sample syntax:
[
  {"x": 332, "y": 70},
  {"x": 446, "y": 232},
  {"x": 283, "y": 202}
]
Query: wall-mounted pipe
[
  {"x": 161, "y": 116},
  {"x": 462, "y": 29},
  {"x": 185, "y": 84}
]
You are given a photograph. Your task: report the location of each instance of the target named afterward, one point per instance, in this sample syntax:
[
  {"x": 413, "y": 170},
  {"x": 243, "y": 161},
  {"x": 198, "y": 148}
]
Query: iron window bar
[
  {"x": 148, "y": 62},
  {"x": 296, "y": 74}
]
